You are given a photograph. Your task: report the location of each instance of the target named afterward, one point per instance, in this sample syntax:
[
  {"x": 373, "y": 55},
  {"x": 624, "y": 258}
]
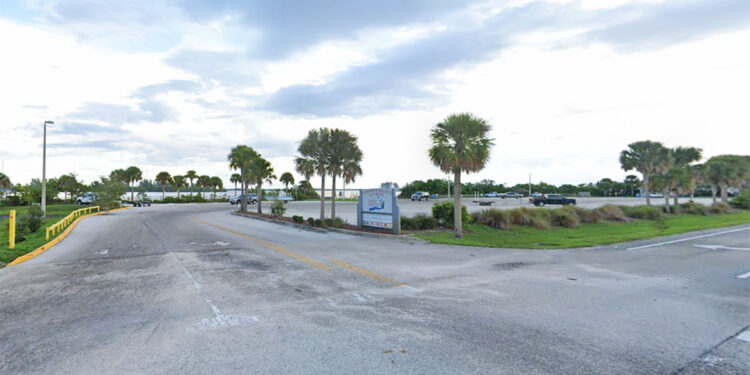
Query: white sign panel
[
  {"x": 377, "y": 221},
  {"x": 377, "y": 201}
]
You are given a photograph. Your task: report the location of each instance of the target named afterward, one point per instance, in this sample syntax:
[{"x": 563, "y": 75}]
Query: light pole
[
  {"x": 530, "y": 185},
  {"x": 44, "y": 168}
]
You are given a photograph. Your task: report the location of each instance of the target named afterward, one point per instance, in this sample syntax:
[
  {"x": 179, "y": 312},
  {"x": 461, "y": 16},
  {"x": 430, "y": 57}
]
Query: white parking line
[
  {"x": 744, "y": 275},
  {"x": 689, "y": 238}
]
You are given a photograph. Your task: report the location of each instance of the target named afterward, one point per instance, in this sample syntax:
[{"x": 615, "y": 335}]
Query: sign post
[{"x": 378, "y": 208}]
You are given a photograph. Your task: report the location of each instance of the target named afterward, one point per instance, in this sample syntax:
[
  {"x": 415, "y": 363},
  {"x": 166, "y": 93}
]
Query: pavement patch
[{"x": 365, "y": 272}]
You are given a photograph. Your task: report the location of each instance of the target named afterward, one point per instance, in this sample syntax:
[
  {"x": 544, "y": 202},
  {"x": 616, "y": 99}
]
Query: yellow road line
[
  {"x": 365, "y": 272},
  {"x": 56, "y": 240},
  {"x": 271, "y": 246}
]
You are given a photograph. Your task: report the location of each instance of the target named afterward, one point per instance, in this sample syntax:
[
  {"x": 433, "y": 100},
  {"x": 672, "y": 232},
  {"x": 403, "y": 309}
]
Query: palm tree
[
  {"x": 726, "y": 171},
  {"x": 261, "y": 171},
  {"x": 350, "y": 172},
  {"x": 286, "y": 179},
  {"x": 314, "y": 160},
  {"x": 178, "y": 182},
  {"x": 343, "y": 150},
  {"x": 216, "y": 184},
  {"x": 241, "y": 158},
  {"x": 683, "y": 178},
  {"x": 460, "y": 144},
  {"x": 164, "y": 179},
  {"x": 204, "y": 182},
  {"x": 646, "y": 157},
  {"x": 133, "y": 175},
  {"x": 235, "y": 178},
  {"x": 191, "y": 175},
  {"x": 5, "y": 182}
]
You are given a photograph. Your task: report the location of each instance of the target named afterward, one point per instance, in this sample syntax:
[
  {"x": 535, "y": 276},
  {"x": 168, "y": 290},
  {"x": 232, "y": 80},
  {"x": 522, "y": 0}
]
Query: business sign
[
  {"x": 378, "y": 201},
  {"x": 378, "y": 208}
]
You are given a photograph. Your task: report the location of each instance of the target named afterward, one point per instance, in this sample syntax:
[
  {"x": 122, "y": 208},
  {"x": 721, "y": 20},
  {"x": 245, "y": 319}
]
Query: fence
[{"x": 62, "y": 224}]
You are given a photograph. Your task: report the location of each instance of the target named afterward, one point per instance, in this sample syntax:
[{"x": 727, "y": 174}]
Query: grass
[
  {"x": 33, "y": 240},
  {"x": 586, "y": 235}
]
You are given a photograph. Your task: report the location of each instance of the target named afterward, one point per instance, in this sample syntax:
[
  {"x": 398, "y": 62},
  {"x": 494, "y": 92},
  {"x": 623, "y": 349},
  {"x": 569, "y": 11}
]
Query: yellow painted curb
[{"x": 57, "y": 239}]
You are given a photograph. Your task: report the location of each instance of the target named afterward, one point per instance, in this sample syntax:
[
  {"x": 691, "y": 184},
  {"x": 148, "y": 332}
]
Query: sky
[{"x": 173, "y": 85}]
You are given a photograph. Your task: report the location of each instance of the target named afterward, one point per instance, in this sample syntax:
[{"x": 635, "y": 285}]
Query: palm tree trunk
[
  {"x": 163, "y": 192},
  {"x": 724, "y": 193},
  {"x": 260, "y": 197},
  {"x": 322, "y": 197},
  {"x": 333, "y": 196},
  {"x": 645, "y": 189},
  {"x": 713, "y": 193},
  {"x": 457, "y": 225},
  {"x": 666, "y": 200},
  {"x": 131, "y": 192}
]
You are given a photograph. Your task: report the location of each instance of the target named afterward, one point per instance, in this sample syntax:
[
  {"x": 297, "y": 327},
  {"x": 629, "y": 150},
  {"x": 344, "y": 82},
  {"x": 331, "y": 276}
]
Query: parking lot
[
  {"x": 194, "y": 289},
  {"x": 347, "y": 210}
]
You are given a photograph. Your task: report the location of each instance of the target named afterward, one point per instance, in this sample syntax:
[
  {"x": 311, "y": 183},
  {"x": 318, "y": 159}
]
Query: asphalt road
[
  {"x": 348, "y": 210},
  {"x": 192, "y": 289}
]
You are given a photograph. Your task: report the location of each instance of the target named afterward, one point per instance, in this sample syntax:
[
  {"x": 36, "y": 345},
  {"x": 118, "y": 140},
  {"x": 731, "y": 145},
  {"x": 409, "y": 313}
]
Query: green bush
[
  {"x": 298, "y": 219},
  {"x": 443, "y": 213},
  {"x": 645, "y": 212},
  {"x": 564, "y": 217},
  {"x": 408, "y": 223},
  {"x": 338, "y": 222},
  {"x": 278, "y": 208},
  {"x": 418, "y": 222},
  {"x": 311, "y": 221},
  {"x": 185, "y": 199},
  {"x": 721, "y": 208},
  {"x": 693, "y": 208},
  {"x": 741, "y": 201},
  {"x": 611, "y": 212},
  {"x": 31, "y": 221},
  {"x": 589, "y": 216},
  {"x": 494, "y": 218},
  {"x": 318, "y": 222}
]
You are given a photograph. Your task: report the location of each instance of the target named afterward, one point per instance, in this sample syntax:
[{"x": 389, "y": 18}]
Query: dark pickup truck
[{"x": 552, "y": 199}]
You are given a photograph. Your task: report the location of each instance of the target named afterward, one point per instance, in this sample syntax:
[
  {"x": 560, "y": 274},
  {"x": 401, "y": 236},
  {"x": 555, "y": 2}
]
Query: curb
[
  {"x": 56, "y": 240},
  {"x": 326, "y": 230}
]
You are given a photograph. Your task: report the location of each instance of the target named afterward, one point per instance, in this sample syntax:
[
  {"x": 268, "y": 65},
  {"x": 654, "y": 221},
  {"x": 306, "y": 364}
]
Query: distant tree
[
  {"x": 261, "y": 171},
  {"x": 726, "y": 171},
  {"x": 631, "y": 183},
  {"x": 164, "y": 179},
  {"x": 216, "y": 184},
  {"x": 191, "y": 175},
  {"x": 235, "y": 179},
  {"x": 286, "y": 179},
  {"x": 108, "y": 192},
  {"x": 5, "y": 183},
  {"x": 460, "y": 143},
  {"x": 133, "y": 174},
  {"x": 241, "y": 158},
  {"x": 178, "y": 182},
  {"x": 313, "y": 159},
  {"x": 682, "y": 177},
  {"x": 68, "y": 184},
  {"x": 204, "y": 182},
  {"x": 648, "y": 158},
  {"x": 351, "y": 170},
  {"x": 342, "y": 151}
]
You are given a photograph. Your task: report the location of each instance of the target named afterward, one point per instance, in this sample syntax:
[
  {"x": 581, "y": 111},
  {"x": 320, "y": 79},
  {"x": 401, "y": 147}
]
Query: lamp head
[{"x": 49, "y": 122}]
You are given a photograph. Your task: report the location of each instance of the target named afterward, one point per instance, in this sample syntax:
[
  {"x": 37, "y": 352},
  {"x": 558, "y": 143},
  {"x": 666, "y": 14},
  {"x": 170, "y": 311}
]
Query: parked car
[
  {"x": 251, "y": 198},
  {"x": 420, "y": 195},
  {"x": 512, "y": 195},
  {"x": 494, "y": 194},
  {"x": 553, "y": 199},
  {"x": 87, "y": 198}
]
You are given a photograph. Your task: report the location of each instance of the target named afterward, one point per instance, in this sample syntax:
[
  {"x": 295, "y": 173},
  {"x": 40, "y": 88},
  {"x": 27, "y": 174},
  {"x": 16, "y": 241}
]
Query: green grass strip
[
  {"x": 33, "y": 240},
  {"x": 586, "y": 235}
]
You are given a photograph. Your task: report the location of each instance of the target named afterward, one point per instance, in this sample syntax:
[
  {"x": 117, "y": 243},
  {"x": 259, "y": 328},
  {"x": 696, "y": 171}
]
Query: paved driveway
[{"x": 193, "y": 289}]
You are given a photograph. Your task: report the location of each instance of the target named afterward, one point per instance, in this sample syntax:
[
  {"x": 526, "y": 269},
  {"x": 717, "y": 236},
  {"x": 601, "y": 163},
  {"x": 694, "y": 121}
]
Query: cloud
[
  {"x": 85, "y": 129},
  {"x": 230, "y": 69},
  {"x": 179, "y": 85},
  {"x": 118, "y": 114}
]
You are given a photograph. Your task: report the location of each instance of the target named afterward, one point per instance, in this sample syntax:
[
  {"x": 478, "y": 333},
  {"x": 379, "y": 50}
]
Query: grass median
[
  {"x": 32, "y": 240},
  {"x": 585, "y": 235}
]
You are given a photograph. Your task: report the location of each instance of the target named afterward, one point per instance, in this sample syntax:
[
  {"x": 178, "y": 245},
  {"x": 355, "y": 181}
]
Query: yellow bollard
[
  {"x": 47, "y": 234},
  {"x": 12, "y": 229}
]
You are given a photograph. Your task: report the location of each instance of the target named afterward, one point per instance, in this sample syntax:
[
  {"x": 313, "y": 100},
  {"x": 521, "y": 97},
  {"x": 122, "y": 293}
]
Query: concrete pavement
[{"x": 193, "y": 289}]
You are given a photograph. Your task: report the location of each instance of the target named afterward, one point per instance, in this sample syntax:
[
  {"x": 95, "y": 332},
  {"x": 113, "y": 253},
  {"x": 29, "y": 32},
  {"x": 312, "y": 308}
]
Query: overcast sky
[{"x": 173, "y": 85}]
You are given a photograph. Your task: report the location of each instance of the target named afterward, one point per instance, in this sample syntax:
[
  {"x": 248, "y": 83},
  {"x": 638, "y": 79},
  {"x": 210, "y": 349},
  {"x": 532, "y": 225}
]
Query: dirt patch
[
  {"x": 225, "y": 258},
  {"x": 508, "y": 266}
]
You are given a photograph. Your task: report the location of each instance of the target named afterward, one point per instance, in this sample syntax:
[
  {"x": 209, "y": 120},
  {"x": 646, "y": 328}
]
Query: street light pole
[
  {"x": 530, "y": 184},
  {"x": 44, "y": 169}
]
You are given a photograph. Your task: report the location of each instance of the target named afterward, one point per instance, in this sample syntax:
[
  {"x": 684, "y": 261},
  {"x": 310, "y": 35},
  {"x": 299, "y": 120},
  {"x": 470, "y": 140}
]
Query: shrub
[
  {"x": 278, "y": 208},
  {"x": 311, "y": 221},
  {"x": 298, "y": 219},
  {"x": 318, "y": 222},
  {"x": 328, "y": 222},
  {"x": 693, "y": 208},
  {"x": 494, "y": 218},
  {"x": 443, "y": 213},
  {"x": 408, "y": 223},
  {"x": 564, "y": 217},
  {"x": 611, "y": 212},
  {"x": 32, "y": 221},
  {"x": 645, "y": 212},
  {"x": 741, "y": 201},
  {"x": 721, "y": 208},
  {"x": 338, "y": 222},
  {"x": 426, "y": 222},
  {"x": 589, "y": 216}
]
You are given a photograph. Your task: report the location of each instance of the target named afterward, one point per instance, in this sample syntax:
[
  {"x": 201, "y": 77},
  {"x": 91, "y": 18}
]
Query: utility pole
[
  {"x": 44, "y": 168},
  {"x": 530, "y": 185}
]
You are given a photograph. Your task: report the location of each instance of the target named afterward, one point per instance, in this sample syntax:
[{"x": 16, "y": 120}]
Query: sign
[
  {"x": 378, "y": 208},
  {"x": 377, "y": 200},
  {"x": 377, "y": 221}
]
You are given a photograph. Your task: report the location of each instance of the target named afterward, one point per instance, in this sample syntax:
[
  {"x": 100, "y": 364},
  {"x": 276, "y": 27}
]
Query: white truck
[{"x": 87, "y": 198}]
